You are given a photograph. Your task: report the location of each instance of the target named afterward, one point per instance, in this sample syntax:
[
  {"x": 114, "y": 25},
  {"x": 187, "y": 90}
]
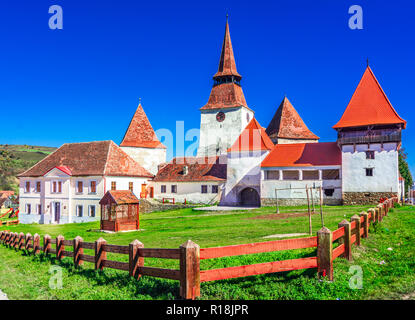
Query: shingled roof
[
  {"x": 198, "y": 169},
  {"x": 287, "y": 124},
  {"x": 252, "y": 138},
  {"x": 369, "y": 105},
  {"x": 99, "y": 158},
  {"x": 119, "y": 197},
  {"x": 140, "y": 133},
  {"x": 226, "y": 94},
  {"x": 304, "y": 155}
]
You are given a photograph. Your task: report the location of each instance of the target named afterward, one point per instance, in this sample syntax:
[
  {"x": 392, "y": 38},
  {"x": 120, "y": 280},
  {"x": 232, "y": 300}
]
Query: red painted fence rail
[{"x": 189, "y": 254}]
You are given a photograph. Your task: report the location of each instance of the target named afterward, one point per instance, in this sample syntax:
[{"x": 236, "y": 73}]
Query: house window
[
  {"x": 54, "y": 187},
  {"x": 174, "y": 188},
  {"x": 38, "y": 186},
  {"x": 204, "y": 188},
  {"x": 79, "y": 210},
  {"x": 215, "y": 189},
  {"x": 92, "y": 211},
  {"x": 131, "y": 186},
  {"x": 39, "y": 209},
  {"x": 60, "y": 186},
  {"x": 163, "y": 189},
  {"x": 93, "y": 187},
  {"x": 331, "y": 174},
  {"x": 310, "y": 174},
  {"x": 27, "y": 186},
  {"x": 291, "y": 175},
  {"x": 370, "y": 154},
  {"x": 80, "y": 187},
  {"x": 28, "y": 208},
  {"x": 369, "y": 172},
  {"x": 272, "y": 174},
  {"x": 113, "y": 185}
]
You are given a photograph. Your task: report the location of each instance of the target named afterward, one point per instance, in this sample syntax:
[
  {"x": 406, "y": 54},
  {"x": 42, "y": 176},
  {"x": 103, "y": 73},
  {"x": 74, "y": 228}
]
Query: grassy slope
[
  {"x": 23, "y": 157},
  {"x": 27, "y": 277}
]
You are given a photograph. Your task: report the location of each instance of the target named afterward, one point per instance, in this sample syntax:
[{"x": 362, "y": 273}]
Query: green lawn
[{"x": 27, "y": 277}]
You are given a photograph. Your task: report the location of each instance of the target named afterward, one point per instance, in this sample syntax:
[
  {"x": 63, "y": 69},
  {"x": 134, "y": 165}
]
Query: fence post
[
  {"x": 380, "y": 216},
  {"x": 46, "y": 244},
  {"x": 16, "y": 240},
  {"x": 77, "y": 251},
  {"x": 27, "y": 243},
  {"x": 36, "y": 244},
  {"x": 135, "y": 261},
  {"x": 100, "y": 254},
  {"x": 347, "y": 239},
  {"x": 372, "y": 215},
  {"x": 59, "y": 247},
  {"x": 365, "y": 224},
  {"x": 356, "y": 218},
  {"x": 325, "y": 253},
  {"x": 21, "y": 240},
  {"x": 189, "y": 270}
]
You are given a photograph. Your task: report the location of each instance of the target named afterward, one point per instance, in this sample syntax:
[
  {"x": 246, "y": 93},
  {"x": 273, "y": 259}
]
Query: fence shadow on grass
[{"x": 154, "y": 287}]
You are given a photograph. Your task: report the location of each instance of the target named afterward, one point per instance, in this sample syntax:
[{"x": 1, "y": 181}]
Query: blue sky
[{"x": 83, "y": 83}]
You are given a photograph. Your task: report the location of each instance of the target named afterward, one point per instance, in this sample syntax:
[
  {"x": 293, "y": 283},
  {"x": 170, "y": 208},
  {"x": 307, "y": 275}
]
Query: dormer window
[{"x": 185, "y": 170}]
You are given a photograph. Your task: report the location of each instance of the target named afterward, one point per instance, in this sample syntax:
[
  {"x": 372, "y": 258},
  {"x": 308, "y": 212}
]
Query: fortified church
[{"x": 238, "y": 161}]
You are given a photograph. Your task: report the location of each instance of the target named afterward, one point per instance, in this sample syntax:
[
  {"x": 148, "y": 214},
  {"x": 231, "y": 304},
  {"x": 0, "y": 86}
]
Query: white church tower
[
  {"x": 226, "y": 114},
  {"x": 369, "y": 136}
]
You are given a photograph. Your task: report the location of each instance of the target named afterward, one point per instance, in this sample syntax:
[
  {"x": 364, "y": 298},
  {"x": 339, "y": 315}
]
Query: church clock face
[{"x": 220, "y": 116}]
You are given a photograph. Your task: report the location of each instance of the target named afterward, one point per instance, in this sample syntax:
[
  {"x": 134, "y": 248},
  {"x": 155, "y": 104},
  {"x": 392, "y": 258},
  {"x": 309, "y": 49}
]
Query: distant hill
[{"x": 15, "y": 159}]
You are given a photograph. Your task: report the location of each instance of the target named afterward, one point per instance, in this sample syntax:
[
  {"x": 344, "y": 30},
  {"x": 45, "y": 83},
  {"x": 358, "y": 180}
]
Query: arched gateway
[{"x": 249, "y": 197}]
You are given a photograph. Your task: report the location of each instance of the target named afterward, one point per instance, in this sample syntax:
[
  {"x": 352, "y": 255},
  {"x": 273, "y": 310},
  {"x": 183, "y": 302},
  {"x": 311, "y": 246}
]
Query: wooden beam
[
  {"x": 189, "y": 270},
  {"x": 325, "y": 253}
]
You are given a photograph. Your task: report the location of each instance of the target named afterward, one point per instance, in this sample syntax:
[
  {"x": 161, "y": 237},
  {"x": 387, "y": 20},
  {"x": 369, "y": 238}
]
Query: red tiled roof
[
  {"x": 199, "y": 169},
  {"x": 140, "y": 133},
  {"x": 369, "y": 105},
  {"x": 99, "y": 158},
  {"x": 119, "y": 197},
  {"x": 253, "y": 138},
  {"x": 227, "y": 65},
  {"x": 288, "y": 124},
  {"x": 303, "y": 155},
  {"x": 225, "y": 95}
]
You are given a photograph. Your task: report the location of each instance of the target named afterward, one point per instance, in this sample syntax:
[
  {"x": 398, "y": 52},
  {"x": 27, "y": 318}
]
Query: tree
[{"x": 404, "y": 169}]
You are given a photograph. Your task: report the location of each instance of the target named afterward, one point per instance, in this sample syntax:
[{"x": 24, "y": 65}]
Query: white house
[
  {"x": 191, "y": 179},
  {"x": 68, "y": 184}
]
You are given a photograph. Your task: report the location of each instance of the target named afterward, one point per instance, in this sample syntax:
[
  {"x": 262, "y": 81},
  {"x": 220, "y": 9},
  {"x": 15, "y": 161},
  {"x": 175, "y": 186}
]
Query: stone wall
[
  {"x": 147, "y": 206},
  {"x": 298, "y": 202},
  {"x": 363, "y": 198}
]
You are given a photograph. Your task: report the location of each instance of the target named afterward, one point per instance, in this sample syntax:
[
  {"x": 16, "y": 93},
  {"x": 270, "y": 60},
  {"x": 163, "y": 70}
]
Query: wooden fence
[{"x": 189, "y": 254}]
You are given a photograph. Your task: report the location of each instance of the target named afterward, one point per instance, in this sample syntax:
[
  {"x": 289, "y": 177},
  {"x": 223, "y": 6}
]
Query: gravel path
[{"x": 3, "y": 296}]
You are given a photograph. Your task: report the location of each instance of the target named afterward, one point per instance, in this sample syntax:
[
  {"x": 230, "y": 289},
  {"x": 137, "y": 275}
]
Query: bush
[{"x": 397, "y": 205}]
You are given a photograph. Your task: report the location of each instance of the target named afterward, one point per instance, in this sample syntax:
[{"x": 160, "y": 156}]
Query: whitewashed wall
[
  {"x": 69, "y": 198},
  {"x": 243, "y": 171},
  {"x": 225, "y": 132},
  {"x": 385, "y": 168},
  {"x": 191, "y": 191},
  {"x": 149, "y": 158}
]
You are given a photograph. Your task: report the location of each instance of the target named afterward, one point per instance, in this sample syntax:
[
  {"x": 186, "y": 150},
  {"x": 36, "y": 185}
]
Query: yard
[{"x": 386, "y": 273}]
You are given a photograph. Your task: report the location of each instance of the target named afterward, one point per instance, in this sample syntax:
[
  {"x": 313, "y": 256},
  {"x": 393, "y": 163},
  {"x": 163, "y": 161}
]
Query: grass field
[{"x": 27, "y": 277}]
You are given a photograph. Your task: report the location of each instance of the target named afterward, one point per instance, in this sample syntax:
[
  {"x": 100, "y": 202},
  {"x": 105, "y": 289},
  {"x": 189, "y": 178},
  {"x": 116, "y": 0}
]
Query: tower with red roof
[
  {"x": 140, "y": 142},
  {"x": 369, "y": 135},
  {"x": 226, "y": 113}
]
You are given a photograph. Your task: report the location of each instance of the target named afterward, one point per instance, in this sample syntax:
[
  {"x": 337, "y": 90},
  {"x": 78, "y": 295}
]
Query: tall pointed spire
[
  {"x": 227, "y": 91},
  {"x": 227, "y": 65}
]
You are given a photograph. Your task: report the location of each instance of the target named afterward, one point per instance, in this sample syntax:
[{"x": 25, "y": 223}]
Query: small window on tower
[
  {"x": 247, "y": 117},
  {"x": 113, "y": 185},
  {"x": 370, "y": 154},
  {"x": 369, "y": 172}
]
